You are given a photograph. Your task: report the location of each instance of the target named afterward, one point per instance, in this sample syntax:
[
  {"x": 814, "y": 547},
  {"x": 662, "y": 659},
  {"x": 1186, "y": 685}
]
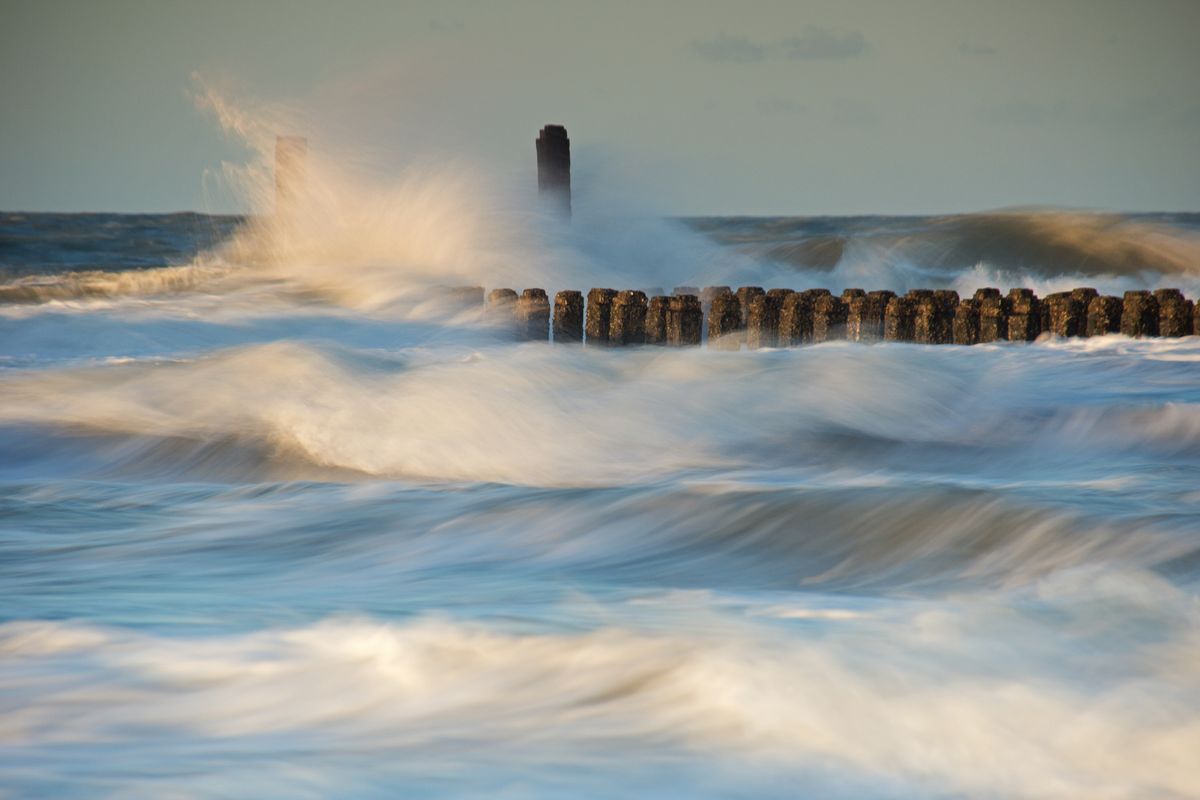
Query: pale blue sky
[{"x": 700, "y": 107}]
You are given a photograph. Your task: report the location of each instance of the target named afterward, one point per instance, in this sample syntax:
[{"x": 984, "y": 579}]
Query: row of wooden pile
[{"x": 756, "y": 318}]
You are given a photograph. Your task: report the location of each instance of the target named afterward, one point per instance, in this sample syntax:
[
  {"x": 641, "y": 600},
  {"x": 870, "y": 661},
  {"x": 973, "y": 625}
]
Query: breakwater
[{"x": 755, "y": 318}]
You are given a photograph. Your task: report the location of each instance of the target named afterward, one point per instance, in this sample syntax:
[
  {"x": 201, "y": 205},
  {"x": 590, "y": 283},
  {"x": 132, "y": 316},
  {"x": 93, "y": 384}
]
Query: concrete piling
[
  {"x": 828, "y": 318},
  {"x": 568, "y": 317},
  {"x": 724, "y": 320},
  {"x": 599, "y": 314},
  {"x": 1174, "y": 313},
  {"x": 1104, "y": 315},
  {"x": 628, "y": 319},
  {"x": 1139, "y": 316},
  {"x": 1025, "y": 315},
  {"x": 533, "y": 315},
  {"x": 684, "y": 320},
  {"x": 656, "y": 319},
  {"x": 680, "y": 291},
  {"x": 554, "y": 168}
]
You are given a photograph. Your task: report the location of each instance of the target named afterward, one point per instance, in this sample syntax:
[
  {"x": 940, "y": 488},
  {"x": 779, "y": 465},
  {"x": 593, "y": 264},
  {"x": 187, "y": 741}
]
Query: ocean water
[{"x": 275, "y": 523}]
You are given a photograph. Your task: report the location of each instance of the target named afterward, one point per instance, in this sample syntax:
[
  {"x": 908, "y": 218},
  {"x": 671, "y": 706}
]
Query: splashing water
[{"x": 276, "y": 525}]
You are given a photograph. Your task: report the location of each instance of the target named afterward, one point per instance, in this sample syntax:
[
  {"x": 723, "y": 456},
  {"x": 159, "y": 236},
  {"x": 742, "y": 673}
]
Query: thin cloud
[
  {"x": 821, "y": 43},
  {"x": 730, "y": 49}
]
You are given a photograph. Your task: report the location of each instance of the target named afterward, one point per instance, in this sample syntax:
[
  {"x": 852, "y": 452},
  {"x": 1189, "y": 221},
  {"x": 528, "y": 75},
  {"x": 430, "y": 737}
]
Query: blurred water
[{"x": 273, "y": 524}]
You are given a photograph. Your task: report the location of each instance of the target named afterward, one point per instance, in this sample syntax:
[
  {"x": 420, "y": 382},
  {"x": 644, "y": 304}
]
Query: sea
[{"x": 276, "y": 521}]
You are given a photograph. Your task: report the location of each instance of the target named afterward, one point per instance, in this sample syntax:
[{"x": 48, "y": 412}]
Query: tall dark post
[
  {"x": 554, "y": 167},
  {"x": 291, "y": 157}
]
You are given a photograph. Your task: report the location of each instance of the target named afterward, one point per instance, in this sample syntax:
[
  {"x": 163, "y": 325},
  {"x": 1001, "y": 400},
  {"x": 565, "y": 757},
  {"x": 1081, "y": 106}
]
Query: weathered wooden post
[
  {"x": 502, "y": 308},
  {"x": 1085, "y": 295},
  {"x": 554, "y": 168},
  {"x": 1174, "y": 313},
  {"x": 656, "y": 319},
  {"x": 724, "y": 320},
  {"x": 628, "y": 323},
  {"x": 568, "y": 317},
  {"x": 934, "y": 321},
  {"x": 1064, "y": 315},
  {"x": 993, "y": 315},
  {"x": 1140, "y": 314},
  {"x": 599, "y": 315},
  {"x": 1104, "y": 315},
  {"x": 864, "y": 316},
  {"x": 1024, "y": 316},
  {"x": 899, "y": 319},
  {"x": 291, "y": 173},
  {"x": 685, "y": 319},
  {"x": 762, "y": 323},
  {"x": 533, "y": 315},
  {"x": 966, "y": 322},
  {"x": 828, "y": 318},
  {"x": 744, "y": 295},
  {"x": 795, "y": 320}
]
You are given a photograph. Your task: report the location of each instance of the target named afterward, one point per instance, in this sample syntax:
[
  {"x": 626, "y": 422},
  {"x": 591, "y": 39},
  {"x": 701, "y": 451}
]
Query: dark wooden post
[
  {"x": 966, "y": 322},
  {"x": 628, "y": 322},
  {"x": 864, "y": 316},
  {"x": 656, "y": 319},
  {"x": 533, "y": 315},
  {"x": 724, "y": 319},
  {"x": 1024, "y": 316},
  {"x": 568, "y": 317},
  {"x": 993, "y": 315},
  {"x": 1140, "y": 315},
  {"x": 1064, "y": 314},
  {"x": 898, "y": 320},
  {"x": 828, "y": 318},
  {"x": 599, "y": 314},
  {"x": 762, "y": 323},
  {"x": 684, "y": 320},
  {"x": 554, "y": 167},
  {"x": 1104, "y": 315},
  {"x": 934, "y": 321},
  {"x": 1174, "y": 313},
  {"x": 502, "y": 308}
]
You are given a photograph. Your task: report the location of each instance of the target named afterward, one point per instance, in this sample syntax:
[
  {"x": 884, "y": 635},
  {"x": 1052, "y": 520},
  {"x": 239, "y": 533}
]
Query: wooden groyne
[{"x": 755, "y": 318}]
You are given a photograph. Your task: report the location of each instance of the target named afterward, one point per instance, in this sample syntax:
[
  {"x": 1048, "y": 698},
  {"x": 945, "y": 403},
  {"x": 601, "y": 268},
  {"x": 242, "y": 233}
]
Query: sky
[{"x": 894, "y": 107}]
